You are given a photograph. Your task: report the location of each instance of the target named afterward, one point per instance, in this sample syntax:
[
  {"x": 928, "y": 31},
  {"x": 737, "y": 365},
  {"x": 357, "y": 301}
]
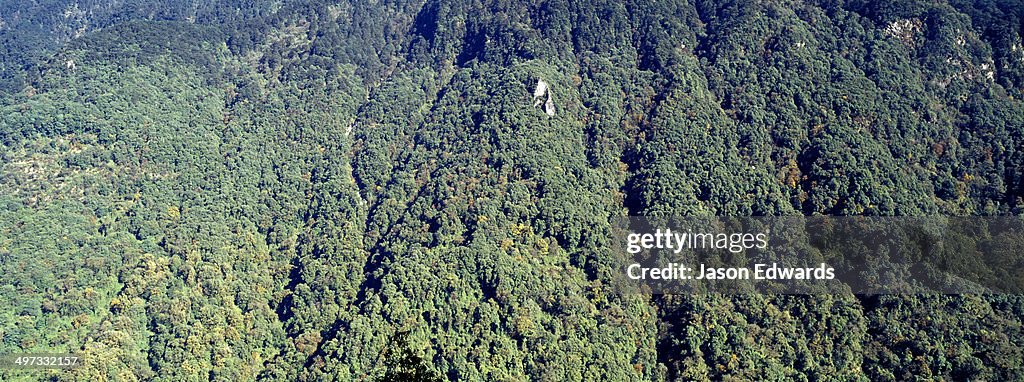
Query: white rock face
[
  {"x": 542, "y": 88},
  {"x": 904, "y": 30},
  {"x": 542, "y": 97}
]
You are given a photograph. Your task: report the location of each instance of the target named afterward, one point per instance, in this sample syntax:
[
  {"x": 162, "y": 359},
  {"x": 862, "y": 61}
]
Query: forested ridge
[{"x": 378, "y": 190}]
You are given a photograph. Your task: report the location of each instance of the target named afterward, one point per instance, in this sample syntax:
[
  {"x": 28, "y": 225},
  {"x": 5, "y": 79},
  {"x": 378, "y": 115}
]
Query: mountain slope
[{"x": 353, "y": 191}]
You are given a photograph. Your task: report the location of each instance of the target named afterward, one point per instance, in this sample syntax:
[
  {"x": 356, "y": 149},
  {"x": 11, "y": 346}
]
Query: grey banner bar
[{"x": 821, "y": 255}]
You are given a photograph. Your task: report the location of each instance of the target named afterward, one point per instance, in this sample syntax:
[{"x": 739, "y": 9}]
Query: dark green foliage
[{"x": 315, "y": 190}]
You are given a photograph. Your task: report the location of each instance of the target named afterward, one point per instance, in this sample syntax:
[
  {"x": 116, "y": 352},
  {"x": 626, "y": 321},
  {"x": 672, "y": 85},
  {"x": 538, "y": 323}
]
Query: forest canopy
[{"x": 312, "y": 190}]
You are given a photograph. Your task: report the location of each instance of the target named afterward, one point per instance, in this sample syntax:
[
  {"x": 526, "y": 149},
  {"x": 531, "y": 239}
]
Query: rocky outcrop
[{"x": 542, "y": 98}]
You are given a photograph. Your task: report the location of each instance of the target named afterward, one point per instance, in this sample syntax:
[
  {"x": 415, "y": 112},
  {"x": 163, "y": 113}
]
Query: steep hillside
[{"x": 315, "y": 190}]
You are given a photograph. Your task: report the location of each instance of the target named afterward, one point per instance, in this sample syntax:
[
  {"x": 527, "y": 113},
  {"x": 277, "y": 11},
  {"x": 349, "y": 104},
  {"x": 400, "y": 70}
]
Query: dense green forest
[{"x": 316, "y": 190}]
